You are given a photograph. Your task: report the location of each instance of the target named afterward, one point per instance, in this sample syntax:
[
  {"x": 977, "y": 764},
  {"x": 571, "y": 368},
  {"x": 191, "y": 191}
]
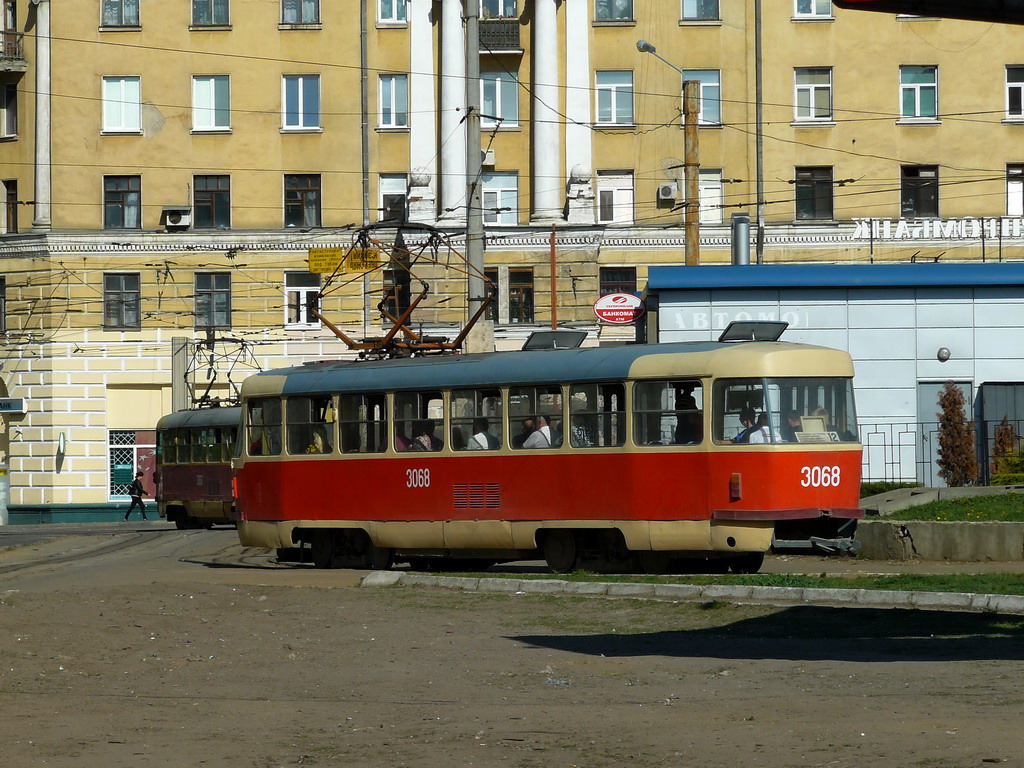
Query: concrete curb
[{"x": 860, "y": 598}]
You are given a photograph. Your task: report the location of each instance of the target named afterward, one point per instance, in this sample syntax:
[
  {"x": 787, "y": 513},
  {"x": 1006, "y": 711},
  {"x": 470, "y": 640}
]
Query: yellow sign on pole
[
  {"x": 325, "y": 260},
  {"x": 363, "y": 259}
]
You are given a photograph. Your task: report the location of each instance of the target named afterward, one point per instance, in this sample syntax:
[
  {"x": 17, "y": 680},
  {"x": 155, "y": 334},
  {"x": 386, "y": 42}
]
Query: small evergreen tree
[
  {"x": 958, "y": 460},
  {"x": 1003, "y": 443}
]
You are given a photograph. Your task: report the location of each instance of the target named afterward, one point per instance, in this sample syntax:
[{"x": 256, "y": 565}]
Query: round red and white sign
[{"x": 619, "y": 308}]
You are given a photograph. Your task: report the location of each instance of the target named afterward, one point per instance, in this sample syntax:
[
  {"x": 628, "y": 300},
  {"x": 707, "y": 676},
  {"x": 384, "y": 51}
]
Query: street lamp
[{"x": 691, "y": 159}]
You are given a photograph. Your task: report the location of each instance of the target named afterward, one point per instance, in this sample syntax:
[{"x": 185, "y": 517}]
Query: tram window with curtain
[
  {"x": 535, "y": 417},
  {"x": 363, "y": 423},
  {"x": 310, "y": 424},
  {"x": 476, "y": 420},
  {"x": 668, "y": 412},
  {"x": 264, "y": 426},
  {"x": 419, "y": 421},
  {"x": 597, "y": 415}
]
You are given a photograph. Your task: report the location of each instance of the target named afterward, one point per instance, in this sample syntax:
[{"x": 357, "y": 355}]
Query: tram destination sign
[
  {"x": 619, "y": 308},
  {"x": 12, "y": 405}
]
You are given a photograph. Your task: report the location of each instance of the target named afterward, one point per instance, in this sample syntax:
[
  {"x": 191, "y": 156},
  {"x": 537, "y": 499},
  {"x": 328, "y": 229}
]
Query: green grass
[
  {"x": 883, "y": 486},
  {"x": 1007, "y": 507}
]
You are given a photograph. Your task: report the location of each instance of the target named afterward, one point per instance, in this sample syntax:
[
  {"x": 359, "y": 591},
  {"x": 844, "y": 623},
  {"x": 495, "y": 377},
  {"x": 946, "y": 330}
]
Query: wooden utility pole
[{"x": 691, "y": 164}]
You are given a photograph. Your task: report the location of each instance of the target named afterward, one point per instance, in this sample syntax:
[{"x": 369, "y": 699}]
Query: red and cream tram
[
  {"x": 193, "y": 458},
  {"x": 629, "y": 456}
]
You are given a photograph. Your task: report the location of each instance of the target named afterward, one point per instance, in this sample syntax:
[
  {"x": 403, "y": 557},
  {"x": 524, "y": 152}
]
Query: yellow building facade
[{"x": 168, "y": 166}]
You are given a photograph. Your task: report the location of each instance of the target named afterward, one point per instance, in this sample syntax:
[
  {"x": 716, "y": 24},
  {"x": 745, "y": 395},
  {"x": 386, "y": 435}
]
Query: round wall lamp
[{"x": 943, "y": 354}]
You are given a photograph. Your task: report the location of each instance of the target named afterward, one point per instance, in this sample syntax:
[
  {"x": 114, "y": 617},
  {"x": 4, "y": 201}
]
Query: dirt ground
[{"x": 167, "y": 648}]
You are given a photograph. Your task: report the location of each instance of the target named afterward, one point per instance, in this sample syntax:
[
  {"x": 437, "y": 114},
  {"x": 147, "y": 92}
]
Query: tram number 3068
[
  {"x": 417, "y": 478},
  {"x": 819, "y": 477}
]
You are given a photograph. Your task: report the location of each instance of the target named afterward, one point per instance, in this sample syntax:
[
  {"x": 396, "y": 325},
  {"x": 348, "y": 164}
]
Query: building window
[
  {"x": 614, "y": 97},
  {"x": 3, "y": 305},
  {"x": 301, "y": 99},
  {"x": 520, "y": 295},
  {"x": 615, "y": 197},
  {"x": 9, "y": 105},
  {"x": 499, "y": 99},
  {"x": 1014, "y": 93},
  {"x": 10, "y": 211},
  {"x": 498, "y": 9},
  {"x": 394, "y": 101},
  {"x": 709, "y": 94},
  {"x": 211, "y": 103},
  {"x": 613, "y": 10},
  {"x": 121, "y": 301},
  {"x": 1015, "y": 189},
  {"x": 120, "y": 13},
  {"x": 493, "y": 287},
  {"x": 394, "y": 194},
  {"x": 813, "y": 91},
  {"x": 122, "y": 202},
  {"x": 129, "y": 451},
  {"x": 815, "y": 9},
  {"x": 704, "y": 10},
  {"x": 210, "y": 13},
  {"x": 710, "y": 194},
  {"x": 211, "y": 201},
  {"x": 301, "y": 291},
  {"x": 813, "y": 193},
  {"x": 300, "y": 11},
  {"x": 391, "y": 10},
  {"x": 302, "y": 200},
  {"x": 617, "y": 280},
  {"x": 919, "y": 92},
  {"x": 396, "y": 292},
  {"x": 919, "y": 191},
  {"x": 501, "y": 198},
  {"x": 213, "y": 300},
  {"x": 122, "y": 104}
]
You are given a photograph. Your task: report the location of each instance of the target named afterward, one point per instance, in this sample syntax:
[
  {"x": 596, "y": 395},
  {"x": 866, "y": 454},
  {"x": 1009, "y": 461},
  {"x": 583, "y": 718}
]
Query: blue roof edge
[{"x": 834, "y": 275}]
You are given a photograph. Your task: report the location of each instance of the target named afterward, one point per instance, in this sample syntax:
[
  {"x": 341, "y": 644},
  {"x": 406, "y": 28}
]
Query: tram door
[{"x": 928, "y": 427}]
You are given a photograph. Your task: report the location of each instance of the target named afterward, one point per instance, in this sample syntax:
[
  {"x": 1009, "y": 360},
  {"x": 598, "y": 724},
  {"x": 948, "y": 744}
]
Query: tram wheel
[
  {"x": 322, "y": 549},
  {"x": 381, "y": 558},
  {"x": 748, "y": 563},
  {"x": 561, "y": 551},
  {"x": 654, "y": 562}
]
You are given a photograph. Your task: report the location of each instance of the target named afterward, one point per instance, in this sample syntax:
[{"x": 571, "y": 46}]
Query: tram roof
[
  {"x": 201, "y": 417},
  {"x": 522, "y": 367},
  {"x": 834, "y": 276}
]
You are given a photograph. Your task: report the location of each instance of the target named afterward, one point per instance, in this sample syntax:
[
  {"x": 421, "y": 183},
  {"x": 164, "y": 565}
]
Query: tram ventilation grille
[{"x": 476, "y": 496}]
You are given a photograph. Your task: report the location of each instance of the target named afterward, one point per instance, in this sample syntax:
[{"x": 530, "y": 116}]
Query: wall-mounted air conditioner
[
  {"x": 175, "y": 218},
  {"x": 488, "y": 158},
  {"x": 669, "y": 190}
]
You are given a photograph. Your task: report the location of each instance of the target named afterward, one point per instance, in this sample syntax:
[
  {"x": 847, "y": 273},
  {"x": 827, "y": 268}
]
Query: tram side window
[
  {"x": 535, "y": 417},
  {"x": 177, "y": 447},
  {"x": 668, "y": 412},
  {"x": 417, "y": 416},
  {"x": 739, "y": 412},
  {"x": 363, "y": 421},
  {"x": 812, "y": 410},
  {"x": 264, "y": 427},
  {"x": 310, "y": 424},
  {"x": 197, "y": 439},
  {"x": 597, "y": 415},
  {"x": 476, "y": 420},
  {"x": 230, "y": 443}
]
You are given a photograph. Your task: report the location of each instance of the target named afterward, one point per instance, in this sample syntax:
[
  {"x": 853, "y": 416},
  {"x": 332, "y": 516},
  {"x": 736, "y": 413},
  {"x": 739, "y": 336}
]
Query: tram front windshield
[{"x": 785, "y": 410}]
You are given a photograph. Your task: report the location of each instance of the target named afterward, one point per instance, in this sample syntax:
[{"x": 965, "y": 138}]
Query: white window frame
[
  {"x": 1015, "y": 189},
  {"x": 711, "y": 194},
  {"x": 707, "y": 92},
  {"x": 297, "y": 296},
  {"x": 616, "y": 16},
  {"x": 299, "y": 81},
  {"x": 505, "y": 91},
  {"x": 392, "y": 185},
  {"x": 507, "y": 9},
  {"x": 302, "y": 21},
  {"x": 9, "y": 111},
  {"x": 810, "y": 91},
  {"x": 500, "y": 190},
  {"x": 1016, "y": 85},
  {"x": 205, "y": 109},
  {"x": 126, "y": 10},
  {"x": 397, "y": 14},
  {"x": 393, "y": 91},
  {"x": 695, "y": 15},
  {"x": 917, "y": 89},
  {"x": 619, "y": 96},
  {"x": 615, "y": 189},
  {"x": 816, "y": 9},
  {"x": 122, "y": 104}
]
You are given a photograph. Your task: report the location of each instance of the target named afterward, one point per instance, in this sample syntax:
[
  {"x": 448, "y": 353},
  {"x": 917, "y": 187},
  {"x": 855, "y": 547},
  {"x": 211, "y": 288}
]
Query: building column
[
  {"x": 43, "y": 192},
  {"x": 579, "y": 160},
  {"x": 422, "y": 127},
  {"x": 453, "y": 110},
  {"x": 548, "y": 192}
]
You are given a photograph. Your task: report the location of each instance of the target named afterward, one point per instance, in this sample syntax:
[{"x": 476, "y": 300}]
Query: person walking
[{"x": 136, "y": 492}]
